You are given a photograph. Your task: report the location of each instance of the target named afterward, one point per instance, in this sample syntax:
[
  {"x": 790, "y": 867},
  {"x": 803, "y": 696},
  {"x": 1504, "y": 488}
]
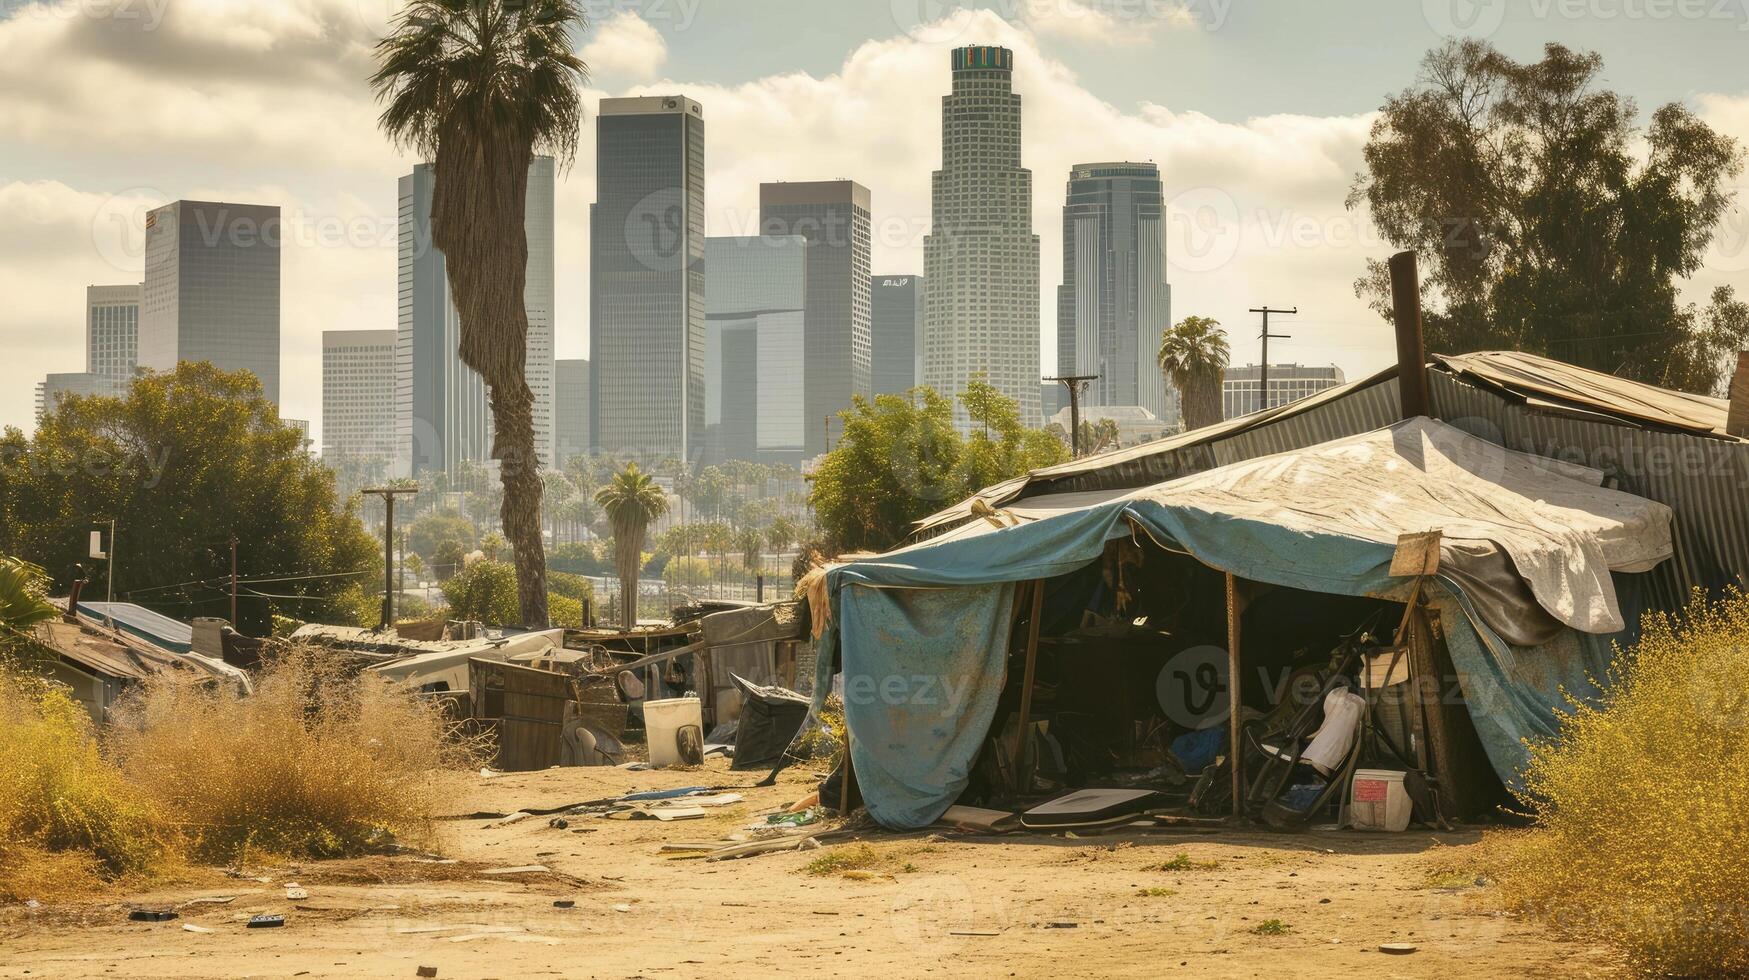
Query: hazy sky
[{"x": 1255, "y": 110}]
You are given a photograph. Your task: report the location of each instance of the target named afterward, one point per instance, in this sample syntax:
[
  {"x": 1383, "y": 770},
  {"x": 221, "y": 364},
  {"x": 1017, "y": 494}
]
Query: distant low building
[
  {"x": 1135, "y": 424},
  {"x": 1241, "y": 392},
  {"x": 52, "y": 389}
]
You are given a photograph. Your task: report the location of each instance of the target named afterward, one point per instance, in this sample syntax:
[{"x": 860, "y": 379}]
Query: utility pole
[
  {"x": 1075, "y": 383},
  {"x": 388, "y": 495},
  {"x": 1263, "y": 372},
  {"x": 233, "y": 580}
]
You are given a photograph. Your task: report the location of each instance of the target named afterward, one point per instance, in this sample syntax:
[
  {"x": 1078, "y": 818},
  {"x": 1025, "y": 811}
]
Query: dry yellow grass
[
  {"x": 1643, "y": 804},
  {"x": 68, "y": 820},
  {"x": 315, "y": 764}
]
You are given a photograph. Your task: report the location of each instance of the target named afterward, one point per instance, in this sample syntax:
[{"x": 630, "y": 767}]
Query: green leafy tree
[
  {"x": 446, "y": 558},
  {"x": 181, "y": 462},
  {"x": 1547, "y": 220},
  {"x": 430, "y": 530},
  {"x": 632, "y": 500},
  {"x": 999, "y": 446},
  {"x": 476, "y": 86},
  {"x": 900, "y": 459},
  {"x": 1194, "y": 355},
  {"x": 484, "y": 590},
  {"x": 782, "y": 533},
  {"x": 492, "y": 545}
]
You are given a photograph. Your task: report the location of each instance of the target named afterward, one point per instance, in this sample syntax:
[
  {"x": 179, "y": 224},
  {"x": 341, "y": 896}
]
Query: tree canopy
[
  {"x": 1548, "y": 220},
  {"x": 901, "y": 458},
  {"x": 182, "y": 462}
]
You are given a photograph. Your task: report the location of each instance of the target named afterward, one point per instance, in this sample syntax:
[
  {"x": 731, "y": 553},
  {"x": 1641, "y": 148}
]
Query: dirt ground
[{"x": 1120, "y": 904}]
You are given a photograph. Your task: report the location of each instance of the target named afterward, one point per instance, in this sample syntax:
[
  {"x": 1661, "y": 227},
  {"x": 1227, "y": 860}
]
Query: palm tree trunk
[
  {"x": 477, "y": 216},
  {"x": 628, "y": 548}
]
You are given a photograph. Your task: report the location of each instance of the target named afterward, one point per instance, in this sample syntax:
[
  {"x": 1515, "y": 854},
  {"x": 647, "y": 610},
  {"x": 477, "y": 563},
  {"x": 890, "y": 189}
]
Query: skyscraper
[
  {"x": 647, "y": 278},
  {"x": 756, "y": 370},
  {"x": 441, "y": 413},
  {"x": 112, "y": 330},
  {"x": 980, "y": 259},
  {"x": 833, "y": 216},
  {"x": 212, "y": 289},
  {"x": 1114, "y": 301},
  {"x": 896, "y": 332},
  {"x": 570, "y": 409},
  {"x": 358, "y": 396}
]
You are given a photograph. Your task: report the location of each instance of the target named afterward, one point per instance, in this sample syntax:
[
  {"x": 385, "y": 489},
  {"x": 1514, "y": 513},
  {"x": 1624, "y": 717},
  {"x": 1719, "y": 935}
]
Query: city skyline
[{"x": 1278, "y": 157}]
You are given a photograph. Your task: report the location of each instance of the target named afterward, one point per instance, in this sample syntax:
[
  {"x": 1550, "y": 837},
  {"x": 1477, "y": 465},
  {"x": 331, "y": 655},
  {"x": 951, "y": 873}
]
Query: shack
[{"x": 1100, "y": 610}]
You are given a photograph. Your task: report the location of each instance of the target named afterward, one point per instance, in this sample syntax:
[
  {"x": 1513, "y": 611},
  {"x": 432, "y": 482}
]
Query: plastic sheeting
[{"x": 935, "y": 618}]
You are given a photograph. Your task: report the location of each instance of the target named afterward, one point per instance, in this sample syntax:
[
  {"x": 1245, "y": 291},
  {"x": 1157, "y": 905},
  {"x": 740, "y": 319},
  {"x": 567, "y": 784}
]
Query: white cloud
[
  {"x": 625, "y": 48},
  {"x": 1256, "y": 217},
  {"x": 1111, "y": 23}
]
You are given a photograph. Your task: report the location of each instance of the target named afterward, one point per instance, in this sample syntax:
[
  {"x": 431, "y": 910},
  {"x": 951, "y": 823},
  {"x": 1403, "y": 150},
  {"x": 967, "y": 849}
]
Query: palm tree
[
  {"x": 1194, "y": 356},
  {"x": 476, "y": 86},
  {"x": 21, "y": 596},
  {"x": 632, "y": 500}
]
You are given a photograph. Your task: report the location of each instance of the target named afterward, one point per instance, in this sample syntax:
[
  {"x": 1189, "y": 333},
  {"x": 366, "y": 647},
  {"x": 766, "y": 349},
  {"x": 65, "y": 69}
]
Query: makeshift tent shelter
[{"x": 1531, "y": 550}]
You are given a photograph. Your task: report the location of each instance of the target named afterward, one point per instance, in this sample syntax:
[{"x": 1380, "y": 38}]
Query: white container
[
  {"x": 675, "y": 728},
  {"x": 1378, "y": 801}
]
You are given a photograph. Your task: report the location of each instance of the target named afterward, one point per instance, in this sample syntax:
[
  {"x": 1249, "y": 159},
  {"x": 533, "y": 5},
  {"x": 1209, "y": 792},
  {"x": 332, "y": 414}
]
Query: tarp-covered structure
[{"x": 1533, "y": 551}]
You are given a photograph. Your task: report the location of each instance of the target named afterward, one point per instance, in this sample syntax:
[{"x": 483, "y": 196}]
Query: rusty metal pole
[{"x": 1411, "y": 350}]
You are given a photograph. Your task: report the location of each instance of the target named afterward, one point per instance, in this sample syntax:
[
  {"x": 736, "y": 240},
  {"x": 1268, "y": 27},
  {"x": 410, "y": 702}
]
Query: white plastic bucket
[
  {"x": 1378, "y": 801},
  {"x": 675, "y": 728}
]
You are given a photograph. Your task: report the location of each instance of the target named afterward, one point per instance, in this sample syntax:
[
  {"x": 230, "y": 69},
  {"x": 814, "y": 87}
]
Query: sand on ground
[{"x": 1125, "y": 903}]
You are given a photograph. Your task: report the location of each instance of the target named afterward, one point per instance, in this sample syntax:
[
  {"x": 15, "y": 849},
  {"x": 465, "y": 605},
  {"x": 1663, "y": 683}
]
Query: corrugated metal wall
[{"x": 1704, "y": 480}]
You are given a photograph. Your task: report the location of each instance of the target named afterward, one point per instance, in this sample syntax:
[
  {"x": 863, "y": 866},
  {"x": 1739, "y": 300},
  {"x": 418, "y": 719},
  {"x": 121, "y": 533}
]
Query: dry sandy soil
[{"x": 923, "y": 905}]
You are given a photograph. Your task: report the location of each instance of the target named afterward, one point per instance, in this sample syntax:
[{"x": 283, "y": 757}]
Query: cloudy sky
[{"x": 1255, "y": 110}]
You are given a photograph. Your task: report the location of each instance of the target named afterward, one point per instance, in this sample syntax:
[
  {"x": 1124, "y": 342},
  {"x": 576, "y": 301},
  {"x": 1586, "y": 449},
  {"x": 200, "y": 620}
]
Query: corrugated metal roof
[
  {"x": 144, "y": 623},
  {"x": 1570, "y": 385}
]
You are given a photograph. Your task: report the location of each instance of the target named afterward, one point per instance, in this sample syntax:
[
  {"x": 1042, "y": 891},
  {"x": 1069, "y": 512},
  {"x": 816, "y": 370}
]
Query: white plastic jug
[
  {"x": 675, "y": 728},
  {"x": 1378, "y": 801}
]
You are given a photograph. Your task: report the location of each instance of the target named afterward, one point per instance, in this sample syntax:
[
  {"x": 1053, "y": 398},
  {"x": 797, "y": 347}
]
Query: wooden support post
[
  {"x": 1021, "y": 741},
  {"x": 1411, "y": 351},
  {"x": 1428, "y": 685},
  {"x": 1235, "y": 612}
]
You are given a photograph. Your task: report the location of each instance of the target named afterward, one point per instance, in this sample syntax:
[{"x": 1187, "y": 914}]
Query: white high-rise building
[
  {"x": 441, "y": 413},
  {"x": 112, "y": 330},
  {"x": 980, "y": 259},
  {"x": 358, "y": 395},
  {"x": 211, "y": 291}
]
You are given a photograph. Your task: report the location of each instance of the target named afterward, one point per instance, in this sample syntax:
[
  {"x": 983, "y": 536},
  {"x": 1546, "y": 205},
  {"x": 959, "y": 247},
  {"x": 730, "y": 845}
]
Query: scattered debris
[
  {"x": 521, "y": 869},
  {"x": 427, "y": 971},
  {"x": 151, "y": 915},
  {"x": 191, "y": 927},
  {"x": 266, "y": 921},
  {"x": 564, "y": 903},
  {"x": 1398, "y": 949}
]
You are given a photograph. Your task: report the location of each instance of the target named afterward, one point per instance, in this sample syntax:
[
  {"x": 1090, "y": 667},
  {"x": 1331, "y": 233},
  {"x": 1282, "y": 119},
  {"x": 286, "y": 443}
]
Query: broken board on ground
[{"x": 1090, "y": 808}]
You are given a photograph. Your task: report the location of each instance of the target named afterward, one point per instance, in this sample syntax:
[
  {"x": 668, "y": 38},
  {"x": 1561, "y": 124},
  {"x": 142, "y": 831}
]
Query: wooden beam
[
  {"x": 1235, "y": 612},
  {"x": 1025, "y": 718}
]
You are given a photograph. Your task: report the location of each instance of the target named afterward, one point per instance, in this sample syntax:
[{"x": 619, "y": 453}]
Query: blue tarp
[{"x": 936, "y": 617}]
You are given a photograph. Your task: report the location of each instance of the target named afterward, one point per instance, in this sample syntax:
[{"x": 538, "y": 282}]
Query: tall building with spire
[
  {"x": 980, "y": 258},
  {"x": 1114, "y": 301}
]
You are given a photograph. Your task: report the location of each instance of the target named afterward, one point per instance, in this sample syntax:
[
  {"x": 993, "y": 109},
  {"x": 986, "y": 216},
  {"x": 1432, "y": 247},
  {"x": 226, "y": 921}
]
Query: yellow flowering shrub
[{"x": 1642, "y": 803}]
